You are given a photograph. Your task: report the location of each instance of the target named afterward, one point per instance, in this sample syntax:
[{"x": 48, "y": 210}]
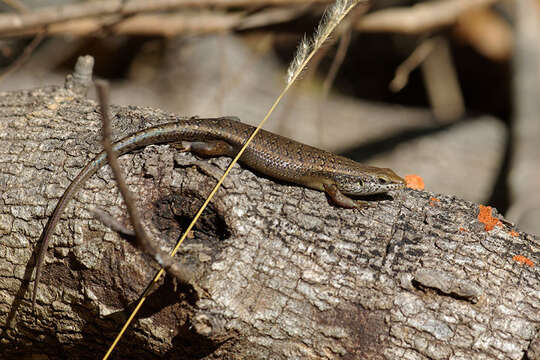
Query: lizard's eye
[{"x": 383, "y": 181}]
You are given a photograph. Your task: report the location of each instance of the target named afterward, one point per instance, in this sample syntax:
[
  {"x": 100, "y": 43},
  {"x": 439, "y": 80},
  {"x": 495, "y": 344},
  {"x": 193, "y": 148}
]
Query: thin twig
[
  {"x": 273, "y": 16},
  {"x": 143, "y": 240},
  {"x": 341, "y": 51},
  {"x": 111, "y": 222},
  {"x": 414, "y": 60},
  {"x": 442, "y": 83},
  {"x": 102, "y": 92}
]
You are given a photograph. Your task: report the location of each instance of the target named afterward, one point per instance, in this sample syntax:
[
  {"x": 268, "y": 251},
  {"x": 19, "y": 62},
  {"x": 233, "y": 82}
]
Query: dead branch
[
  {"x": 167, "y": 25},
  {"x": 426, "y": 16},
  {"x": 88, "y": 17},
  {"x": 57, "y": 14}
]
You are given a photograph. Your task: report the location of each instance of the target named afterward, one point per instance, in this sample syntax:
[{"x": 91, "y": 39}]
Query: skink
[{"x": 273, "y": 155}]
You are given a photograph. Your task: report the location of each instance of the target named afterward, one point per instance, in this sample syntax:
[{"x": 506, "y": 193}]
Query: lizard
[{"x": 270, "y": 154}]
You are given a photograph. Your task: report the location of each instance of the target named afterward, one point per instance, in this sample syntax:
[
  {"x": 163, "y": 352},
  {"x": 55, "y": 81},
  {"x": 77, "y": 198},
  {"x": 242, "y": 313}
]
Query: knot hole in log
[{"x": 210, "y": 227}]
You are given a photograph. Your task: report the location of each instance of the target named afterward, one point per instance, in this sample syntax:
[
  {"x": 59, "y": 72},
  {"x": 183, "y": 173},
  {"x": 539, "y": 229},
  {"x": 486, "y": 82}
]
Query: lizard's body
[{"x": 268, "y": 153}]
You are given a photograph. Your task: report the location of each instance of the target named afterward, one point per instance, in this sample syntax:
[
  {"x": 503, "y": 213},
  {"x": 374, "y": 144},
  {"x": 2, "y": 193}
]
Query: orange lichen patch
[
  {"x": 522, "y": 259},
  {"x": 414, "y": 182},
  {"x": 514, "y": 233},
  {"x": 462, "y": 229},
  {"x": 485, "y": 217},
  {"x": 433, "y": 201}
]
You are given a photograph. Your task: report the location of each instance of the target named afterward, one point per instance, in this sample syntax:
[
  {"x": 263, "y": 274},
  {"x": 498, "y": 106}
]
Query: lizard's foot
[
  {"x": 182, "y": 146},
  {"x": 362, "y": 206},
  {"x": 338, "y": 197}
]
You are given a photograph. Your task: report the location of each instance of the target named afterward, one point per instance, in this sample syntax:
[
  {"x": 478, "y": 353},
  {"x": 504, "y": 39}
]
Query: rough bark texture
[{"x": 285, "y": 274}]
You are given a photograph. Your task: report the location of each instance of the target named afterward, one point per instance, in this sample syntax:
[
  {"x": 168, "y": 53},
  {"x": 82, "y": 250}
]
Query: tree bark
[{"x": 280, "y": 273}]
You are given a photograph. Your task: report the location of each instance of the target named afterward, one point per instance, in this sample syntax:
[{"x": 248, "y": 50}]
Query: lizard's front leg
[
  {"x": 212, "y": 148},
  {"x": 341, "y": 199}
]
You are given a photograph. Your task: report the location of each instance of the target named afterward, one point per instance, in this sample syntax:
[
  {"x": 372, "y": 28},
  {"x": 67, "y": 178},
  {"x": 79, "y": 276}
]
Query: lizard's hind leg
[{"x": 210, "y": 148}]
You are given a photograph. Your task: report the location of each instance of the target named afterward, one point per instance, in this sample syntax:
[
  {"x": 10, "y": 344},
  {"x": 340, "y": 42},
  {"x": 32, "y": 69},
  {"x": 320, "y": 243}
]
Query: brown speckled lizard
[{"x": 273, "y": 155}]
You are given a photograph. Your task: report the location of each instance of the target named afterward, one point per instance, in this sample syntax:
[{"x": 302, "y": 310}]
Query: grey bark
[{"x": 284, "y": 274}]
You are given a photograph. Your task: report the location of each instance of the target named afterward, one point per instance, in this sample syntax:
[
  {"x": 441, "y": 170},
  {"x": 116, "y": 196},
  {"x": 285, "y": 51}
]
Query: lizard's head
[{"x": 373, "y": 181}]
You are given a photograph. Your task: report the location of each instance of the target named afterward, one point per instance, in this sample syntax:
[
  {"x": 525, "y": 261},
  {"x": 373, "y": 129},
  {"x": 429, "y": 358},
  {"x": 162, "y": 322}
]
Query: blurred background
[{"x": 444, "y": 89}]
